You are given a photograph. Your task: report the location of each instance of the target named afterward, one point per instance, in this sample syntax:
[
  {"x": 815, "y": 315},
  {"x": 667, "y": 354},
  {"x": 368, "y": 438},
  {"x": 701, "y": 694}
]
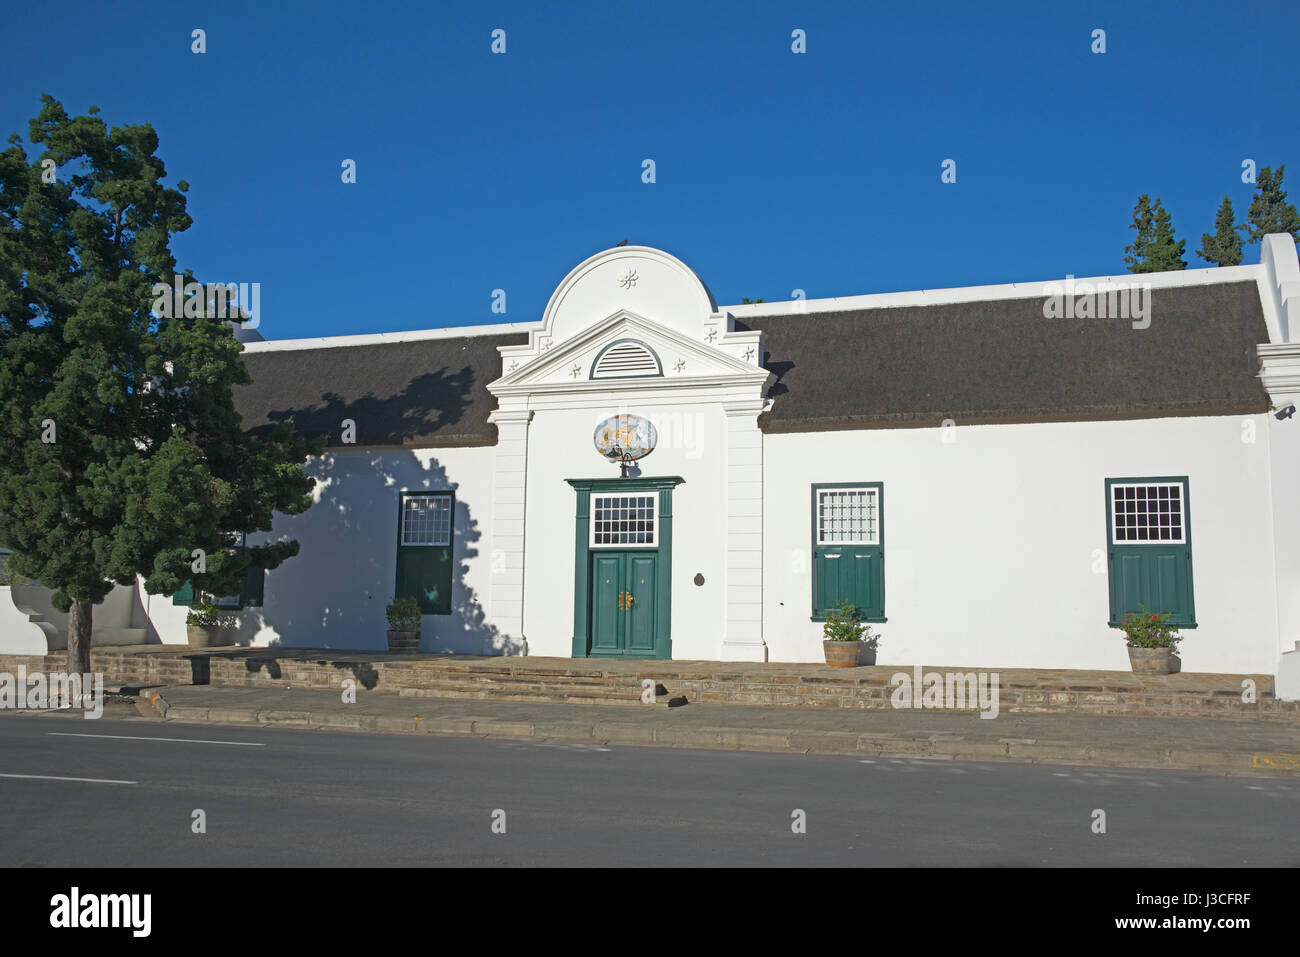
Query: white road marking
[
  {"x": 51, "y": 777},
  {"x": 141, "y": 737}
]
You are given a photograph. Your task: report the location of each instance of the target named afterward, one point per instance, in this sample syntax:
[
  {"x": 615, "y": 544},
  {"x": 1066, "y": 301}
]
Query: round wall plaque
[{"x": 635, "y": 436}]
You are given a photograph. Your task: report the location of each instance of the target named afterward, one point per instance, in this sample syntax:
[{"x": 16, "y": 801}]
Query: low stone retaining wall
[{"x": 621, "y": 682}]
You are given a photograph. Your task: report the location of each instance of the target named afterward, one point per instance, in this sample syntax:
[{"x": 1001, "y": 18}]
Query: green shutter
[
  {"x": 853, "y": 573},
  {"x": 185, "y": 596},
  {"x": 1157, "y": 575},
  {"x": 425, "y": 572},
  {"x": 252, "y": 587}
]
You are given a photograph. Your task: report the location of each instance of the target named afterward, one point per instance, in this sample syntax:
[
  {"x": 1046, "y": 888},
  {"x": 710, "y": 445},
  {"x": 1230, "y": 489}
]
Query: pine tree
[
  {"x": 1224, "y": 247},
  {"x": 1269, "y": 211},
  {"x": 121, "y": 452},
  {"x": 1154, "y": 249}
]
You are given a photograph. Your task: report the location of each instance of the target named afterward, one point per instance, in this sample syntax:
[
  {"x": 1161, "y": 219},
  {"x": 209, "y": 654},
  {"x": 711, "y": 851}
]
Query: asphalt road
[{"x": 282, "y": 797}]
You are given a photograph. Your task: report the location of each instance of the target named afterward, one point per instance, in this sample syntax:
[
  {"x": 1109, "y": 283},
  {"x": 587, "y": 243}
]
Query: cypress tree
[
  {"x": 1269, "y": 211},
  {"x": 1154, "y": 248},
  {"x": 1224, "y": 247}
]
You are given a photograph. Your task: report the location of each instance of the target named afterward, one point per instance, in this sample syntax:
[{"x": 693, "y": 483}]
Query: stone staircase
[{"x": 1020, "y": 691}]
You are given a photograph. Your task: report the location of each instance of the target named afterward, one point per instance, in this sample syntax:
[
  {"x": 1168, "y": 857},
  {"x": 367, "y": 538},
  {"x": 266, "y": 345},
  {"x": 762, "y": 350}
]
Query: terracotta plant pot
[
  {"x": 1151, "y": 661},
  {"x": 404, "y": 641},
  {"x": 199, "y": 636},
  {"x": 842, "y": 654}
]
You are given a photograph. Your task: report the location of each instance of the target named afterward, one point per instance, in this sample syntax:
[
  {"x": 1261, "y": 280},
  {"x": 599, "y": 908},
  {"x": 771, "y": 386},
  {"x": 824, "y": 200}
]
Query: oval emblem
[{"x": 632, "y": 435}]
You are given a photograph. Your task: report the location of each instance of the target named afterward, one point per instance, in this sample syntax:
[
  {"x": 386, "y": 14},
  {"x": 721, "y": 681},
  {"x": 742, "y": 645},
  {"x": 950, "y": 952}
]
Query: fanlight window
[{"x": 626, "y": 359}]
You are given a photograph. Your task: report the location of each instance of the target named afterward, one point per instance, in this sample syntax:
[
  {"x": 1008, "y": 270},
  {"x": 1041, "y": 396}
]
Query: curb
[{"x": 942, "y": 746}]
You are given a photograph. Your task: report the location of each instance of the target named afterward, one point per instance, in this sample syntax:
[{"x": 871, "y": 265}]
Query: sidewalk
[{"x": 1213, "y": 745}]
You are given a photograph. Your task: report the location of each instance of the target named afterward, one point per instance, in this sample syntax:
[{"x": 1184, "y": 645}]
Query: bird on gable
[{"x": 623, "y": 243}]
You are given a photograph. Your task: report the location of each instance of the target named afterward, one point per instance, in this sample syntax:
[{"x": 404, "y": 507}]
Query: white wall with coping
[
  {"x": 19, "y": 634},
  {"x": 992, "y": 541},
  {"x": 334, "y": 592}
]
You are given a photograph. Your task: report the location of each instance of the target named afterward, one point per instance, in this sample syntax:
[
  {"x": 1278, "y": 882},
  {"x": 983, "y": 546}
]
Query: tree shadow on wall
[{"x": 333, "y": 594}]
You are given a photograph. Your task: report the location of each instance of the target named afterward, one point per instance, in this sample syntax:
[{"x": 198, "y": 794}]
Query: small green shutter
[
  {"x": 185, "y": 596},
  {"x": 424, "y": 550},
  {"x": 251, "y": 588},
  {"x": 1150, "y": 548},
  {"x": 848, "y": 549}
]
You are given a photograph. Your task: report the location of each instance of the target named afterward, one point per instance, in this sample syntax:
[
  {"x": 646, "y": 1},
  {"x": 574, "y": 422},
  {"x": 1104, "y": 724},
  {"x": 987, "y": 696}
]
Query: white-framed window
[
  {"x": 848, "y": 516},
  {"x": 426, "y": 519},
  {"x": 1145, "y": 512},
  {"x": 624, "y": 520}
]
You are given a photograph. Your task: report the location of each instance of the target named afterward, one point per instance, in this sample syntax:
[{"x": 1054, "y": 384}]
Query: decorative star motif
[
  {"x": 546, "y": 343},
  {"x": 628, "y": 279},
  {"x": 513, "y": 367},
  {"x": 575, "y": 371},
  {"x": 749, "y": 353},
  {"x": 713, "y": 334},
  {"x": 681, "y": 364}
]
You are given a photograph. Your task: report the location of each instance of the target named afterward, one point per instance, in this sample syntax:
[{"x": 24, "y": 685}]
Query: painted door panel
[
  {"x": 640, "y": 616},
  {"x": 608, "y": 572}
]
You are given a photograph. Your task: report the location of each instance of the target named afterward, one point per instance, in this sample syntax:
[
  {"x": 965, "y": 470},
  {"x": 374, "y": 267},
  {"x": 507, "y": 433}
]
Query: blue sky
[{"x": 775, "y": 171}]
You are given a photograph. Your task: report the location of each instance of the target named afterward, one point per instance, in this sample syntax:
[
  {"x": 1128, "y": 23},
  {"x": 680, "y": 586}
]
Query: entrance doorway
[{"x": 622, "y": 595}]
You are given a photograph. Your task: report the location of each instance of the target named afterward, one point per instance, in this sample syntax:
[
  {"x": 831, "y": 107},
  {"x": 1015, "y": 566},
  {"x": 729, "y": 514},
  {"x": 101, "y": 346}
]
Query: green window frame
[
  {"x": 426, "y": 531},
  {"x": 1149, "y": 548},
  {"x": 848, "y": 548}
]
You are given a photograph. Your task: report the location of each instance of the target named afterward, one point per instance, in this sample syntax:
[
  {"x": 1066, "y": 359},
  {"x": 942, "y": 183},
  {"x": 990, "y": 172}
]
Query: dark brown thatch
[{"x": 1001, "y": 361}]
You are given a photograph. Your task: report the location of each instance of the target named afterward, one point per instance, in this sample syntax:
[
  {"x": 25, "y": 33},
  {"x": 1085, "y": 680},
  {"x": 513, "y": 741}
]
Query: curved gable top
[{"x": 647, "y": 281}]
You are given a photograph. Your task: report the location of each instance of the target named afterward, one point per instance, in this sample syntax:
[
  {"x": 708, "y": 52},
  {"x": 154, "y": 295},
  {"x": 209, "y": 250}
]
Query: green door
[{"x": 623, "y": 603}]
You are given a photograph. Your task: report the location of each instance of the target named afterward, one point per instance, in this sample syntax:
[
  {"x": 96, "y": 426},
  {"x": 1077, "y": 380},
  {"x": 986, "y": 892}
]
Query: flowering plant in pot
[
  {"x": 404, "y": 624},
  {"x": 1151, "y": 641},
  {"x": 203, "y": 621},
  {"x": 844, "y": 636}
]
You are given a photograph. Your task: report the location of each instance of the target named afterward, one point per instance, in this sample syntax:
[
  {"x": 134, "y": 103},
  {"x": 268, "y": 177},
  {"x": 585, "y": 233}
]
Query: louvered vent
[{"x": 626, "y": 359}]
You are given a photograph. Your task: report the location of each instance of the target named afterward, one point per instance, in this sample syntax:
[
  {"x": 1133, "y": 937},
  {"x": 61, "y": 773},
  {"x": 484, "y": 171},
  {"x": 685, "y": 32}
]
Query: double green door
[{"x": 623, "y": 603}]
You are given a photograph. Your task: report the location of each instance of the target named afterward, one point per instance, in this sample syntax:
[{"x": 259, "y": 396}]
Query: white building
[{"x": 990, "y": 486}]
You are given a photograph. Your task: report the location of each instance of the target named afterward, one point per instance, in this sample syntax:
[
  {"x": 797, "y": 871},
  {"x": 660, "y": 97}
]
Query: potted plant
[
  {"x": 404, "y": 624},
  {"x": 844, "y": 636},
  {"x": 1151, "y": 641},
  {"x": 203, "y": 622}
]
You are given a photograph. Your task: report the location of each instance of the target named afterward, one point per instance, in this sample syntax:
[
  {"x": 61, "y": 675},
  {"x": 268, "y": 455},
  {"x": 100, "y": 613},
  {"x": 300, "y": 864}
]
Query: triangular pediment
[{"x": 677, "y": 358}]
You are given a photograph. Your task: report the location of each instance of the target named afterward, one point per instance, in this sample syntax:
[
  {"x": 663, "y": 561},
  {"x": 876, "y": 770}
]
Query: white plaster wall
[
  {"x": 333, "y": 593},
  {"x": 990, "y": 541},
  {"x": 19, "y": 635},
  {"x": 692, "y": 444},
  {"x": 1284, "y": 455},
  {"x": 29, "y": 624}
]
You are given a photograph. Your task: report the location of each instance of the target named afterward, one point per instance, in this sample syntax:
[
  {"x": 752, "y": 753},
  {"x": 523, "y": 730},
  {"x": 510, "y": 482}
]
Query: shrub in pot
[
  {"x": 1151, "y": 642},
  {"x": 845, "y": 637},
  {"x": 203, "y": 622},
  {"x": 404, "y": 624}
]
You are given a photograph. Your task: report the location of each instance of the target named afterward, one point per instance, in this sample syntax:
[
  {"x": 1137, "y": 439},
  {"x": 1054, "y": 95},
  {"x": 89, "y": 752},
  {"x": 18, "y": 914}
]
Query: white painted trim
[
  {"x": 1279, "y": 371},
  {"x": 921, "y": 297},
  {"x": 1015, "y": 290},
  {"x": 378, "y": 338}
]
